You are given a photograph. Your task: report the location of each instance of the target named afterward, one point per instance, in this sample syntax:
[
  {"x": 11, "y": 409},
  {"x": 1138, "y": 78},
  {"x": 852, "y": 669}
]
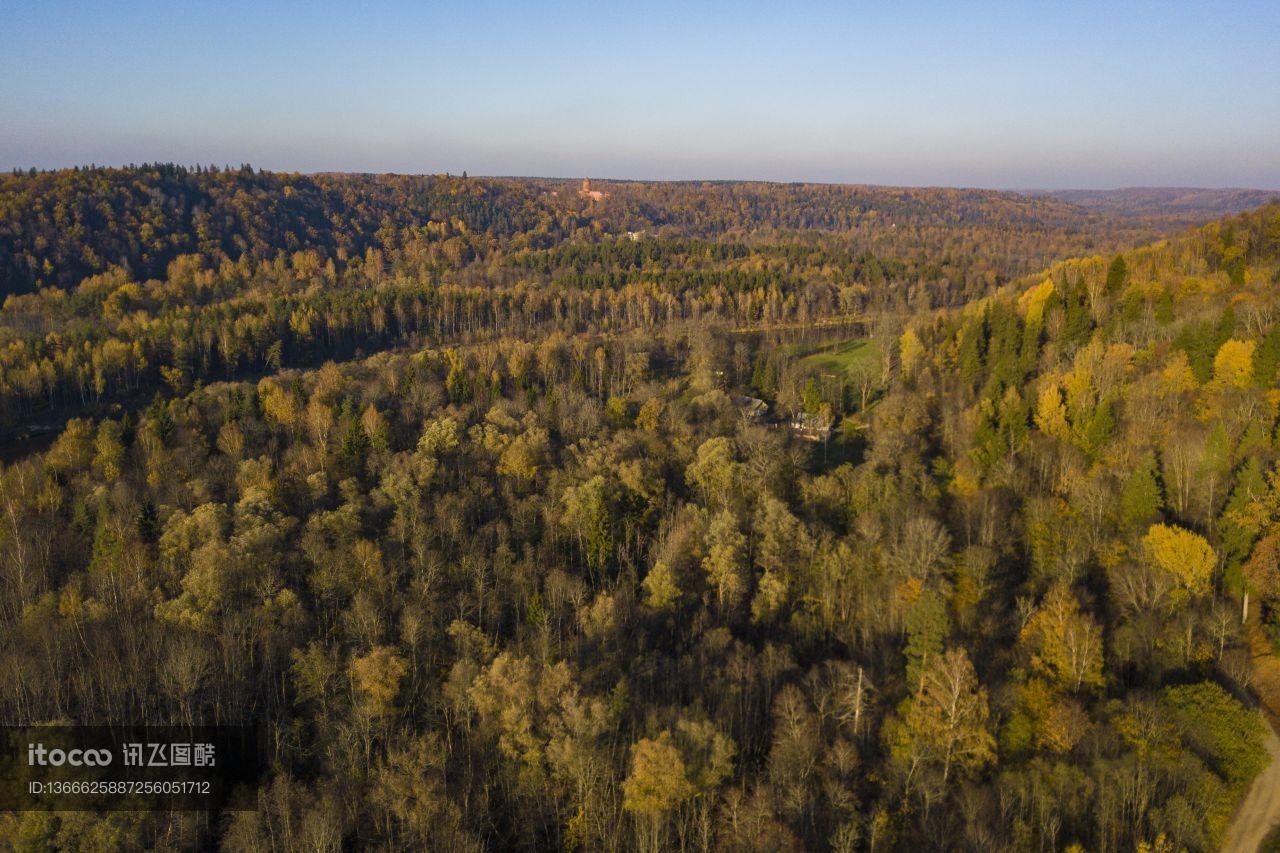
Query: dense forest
[
  {"x": 58, "y": 227},
  {"x": 644, "y": 516},
  {"x": 122, "y": 282}
]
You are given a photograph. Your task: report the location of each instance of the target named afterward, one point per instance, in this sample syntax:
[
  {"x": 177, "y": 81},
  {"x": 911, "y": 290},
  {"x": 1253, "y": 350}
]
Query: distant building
[
  {"x": 752, "y": 408},
  {"x": 587, "y": 192},
  {"x": 811, "y": 427}
]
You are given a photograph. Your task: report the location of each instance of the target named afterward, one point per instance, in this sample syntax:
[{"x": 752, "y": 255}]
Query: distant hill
[
  {"x": 58, "y": 228},
  {"x": 1182, "y": 203}
]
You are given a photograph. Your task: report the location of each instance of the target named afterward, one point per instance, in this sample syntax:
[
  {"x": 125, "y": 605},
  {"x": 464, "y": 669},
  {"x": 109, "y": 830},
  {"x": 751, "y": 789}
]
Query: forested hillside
[
  {"x": 484, "y": 522},
  {"x": 58, "y": 227},
  {"x": 1179, "y": 203},
  {"x": 124, "y": 282}
]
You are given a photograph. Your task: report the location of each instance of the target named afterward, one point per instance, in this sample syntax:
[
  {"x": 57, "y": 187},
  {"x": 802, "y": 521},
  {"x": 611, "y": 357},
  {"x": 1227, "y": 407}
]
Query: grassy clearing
[{"x": 840, "y": 357}]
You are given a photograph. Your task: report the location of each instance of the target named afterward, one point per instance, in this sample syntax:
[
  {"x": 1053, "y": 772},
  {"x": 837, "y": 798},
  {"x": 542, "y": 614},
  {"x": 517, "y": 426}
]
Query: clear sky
[{"x": 1033, "y": 94}]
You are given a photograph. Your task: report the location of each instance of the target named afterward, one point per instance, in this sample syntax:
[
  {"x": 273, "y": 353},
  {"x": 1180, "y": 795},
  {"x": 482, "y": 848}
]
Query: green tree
[
  {"x": 587, "y": 514},
  {"x": 811, "y": 399},
  {"x": 1117, "y": 275},
  {"x": 1140, "y": 497},
  {"x": 928, "y": 624}
]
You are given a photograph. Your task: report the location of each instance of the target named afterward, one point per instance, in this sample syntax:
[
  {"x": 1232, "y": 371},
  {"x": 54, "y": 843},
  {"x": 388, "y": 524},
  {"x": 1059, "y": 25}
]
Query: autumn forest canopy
[{"x": 545, "y": 514}]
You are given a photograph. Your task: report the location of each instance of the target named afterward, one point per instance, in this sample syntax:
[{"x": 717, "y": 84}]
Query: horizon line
[{"x": 1021, "y": 190}]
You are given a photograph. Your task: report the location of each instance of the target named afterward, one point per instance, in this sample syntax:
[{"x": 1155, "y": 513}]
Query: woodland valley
[{"x": 533, "y": 514}]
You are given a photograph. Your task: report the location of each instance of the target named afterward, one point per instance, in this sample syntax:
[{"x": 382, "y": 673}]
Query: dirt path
[{"x": 1260, "y": 811}]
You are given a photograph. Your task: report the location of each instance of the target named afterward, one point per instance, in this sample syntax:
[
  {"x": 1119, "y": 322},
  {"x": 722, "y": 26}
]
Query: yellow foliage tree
[
  {"x": 943, "y": 727},
  {"x": 1051, "y": 414},
  {"x": 1032, "y": 302},
  {"x": 657, "y": 785},
  {"x": 1065, "y": 643},
  {"x": 911, "y": 351},
  {"x": 1183, "y": 554},
  {"x": 278, "y": 404},
  {"x": 1059, "y": 723},
  {"x": 649, "y": 418},
  {"x": 523, "y": 456},
  {"x": 1233, "y": 365},
  {"x": 1177, "y": 376},
  {"x": 375, "y": 679},
  {"x": 662, "y": 590}
]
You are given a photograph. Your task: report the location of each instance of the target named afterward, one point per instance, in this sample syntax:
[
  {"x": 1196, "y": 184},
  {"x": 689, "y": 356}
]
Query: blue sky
[{"x": 1035, "y": 94}]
